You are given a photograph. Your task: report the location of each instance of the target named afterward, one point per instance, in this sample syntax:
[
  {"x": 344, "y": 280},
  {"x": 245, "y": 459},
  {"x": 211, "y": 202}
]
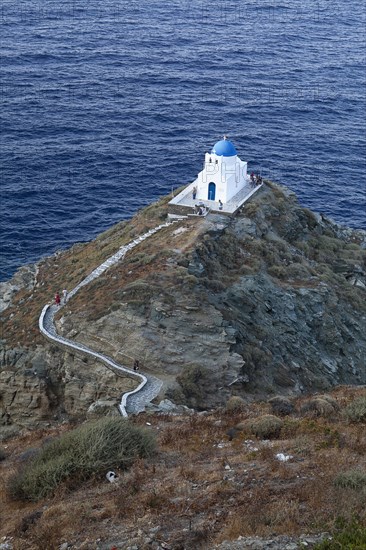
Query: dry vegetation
[
  {"x": 19, "y": 323},
  {"x": 215, "y": 476},
  {"x": 132, "y": 280},
  {"x": 208, "y": 483},
  {"x": 299, "y": 257}
]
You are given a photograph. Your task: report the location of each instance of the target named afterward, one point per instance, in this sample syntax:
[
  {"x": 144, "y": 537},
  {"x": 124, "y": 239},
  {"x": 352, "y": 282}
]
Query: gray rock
[
  {"x": 168, "y": 407},
  {"x": 25, "y": 277},
  {"x": 263, "y": 315},
  {"x": 103, "y": 407},
  {"x": 275, "y": 543}
]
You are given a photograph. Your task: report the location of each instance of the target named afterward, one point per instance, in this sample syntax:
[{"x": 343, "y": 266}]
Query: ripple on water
[{"x": 106, "y": 107}]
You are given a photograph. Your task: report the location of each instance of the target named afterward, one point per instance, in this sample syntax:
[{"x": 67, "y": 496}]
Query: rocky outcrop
[
  {"x": 270, "y": 301},
  {"x": 261, "y": 308},
  {"x": 24, "y": 278},
  {"x": 171, "y": 338},
  {"x": 48, "y": 384}
]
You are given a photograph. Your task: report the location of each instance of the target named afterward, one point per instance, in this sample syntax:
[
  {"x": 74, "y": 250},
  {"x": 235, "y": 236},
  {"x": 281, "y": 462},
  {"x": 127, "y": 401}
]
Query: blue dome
[{"x": 224, "y": 148}]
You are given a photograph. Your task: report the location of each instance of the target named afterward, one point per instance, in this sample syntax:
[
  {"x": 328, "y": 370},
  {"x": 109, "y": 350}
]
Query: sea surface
[{"x": 108, "y": 105}]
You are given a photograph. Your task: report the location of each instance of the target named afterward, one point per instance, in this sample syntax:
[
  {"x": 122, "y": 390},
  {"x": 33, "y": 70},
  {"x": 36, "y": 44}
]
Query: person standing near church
[{"x": 57, "y": 299}]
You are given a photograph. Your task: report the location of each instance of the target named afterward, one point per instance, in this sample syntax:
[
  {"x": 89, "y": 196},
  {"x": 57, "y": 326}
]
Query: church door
[{"x": 211, "y": 191}]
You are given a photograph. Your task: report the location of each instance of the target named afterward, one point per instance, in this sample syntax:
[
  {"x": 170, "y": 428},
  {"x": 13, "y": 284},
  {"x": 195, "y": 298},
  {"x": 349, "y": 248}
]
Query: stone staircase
[{"x": 149, "y": 387}]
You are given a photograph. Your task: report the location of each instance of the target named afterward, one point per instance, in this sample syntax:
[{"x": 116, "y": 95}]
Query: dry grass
[
  {"x": 203, "y": 488},
  {"x": 79, "y": 455},
  {"x": 19, "y": 323}
]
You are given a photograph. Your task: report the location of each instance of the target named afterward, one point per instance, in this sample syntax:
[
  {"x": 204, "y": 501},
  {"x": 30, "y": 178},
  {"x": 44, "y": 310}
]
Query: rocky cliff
[{"x": 269, "y": 301}]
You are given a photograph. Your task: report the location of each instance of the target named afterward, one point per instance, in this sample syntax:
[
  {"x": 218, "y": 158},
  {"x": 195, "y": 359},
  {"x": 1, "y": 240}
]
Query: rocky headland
[
  {"x": 271, "y": 301},
  {"x": 255, "y": 324}
]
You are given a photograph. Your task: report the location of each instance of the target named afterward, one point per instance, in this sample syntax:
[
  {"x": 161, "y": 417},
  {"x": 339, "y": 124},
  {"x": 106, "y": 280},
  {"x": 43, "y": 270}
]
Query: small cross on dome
[{"x": 225, "y": 137}]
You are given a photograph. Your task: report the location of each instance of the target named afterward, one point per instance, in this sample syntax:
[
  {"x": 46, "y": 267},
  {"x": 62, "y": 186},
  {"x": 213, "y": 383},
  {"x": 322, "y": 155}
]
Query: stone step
[{"x": 151, "y": 386}]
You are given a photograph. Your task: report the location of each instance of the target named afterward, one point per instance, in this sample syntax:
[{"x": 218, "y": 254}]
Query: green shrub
[
  {"x": 353, "y": 479},
  {"x": 310, "y": 217},
  {"x": 192, "y": 381},
  {"x": 176, "y": 395},
  {"x": 323, "y": 406},
  {"x": 235, "y": 404},
  {"x": 213, "y": 284},
  {"x": 251, "y": 209},
  {"x": 141, "y": 259},
  {"x": 281, "y": 406},
  {"x": 349, "y": 536},
  {"x": 91, "y": 449},
  {"x": 190, "y": 280},
  {"x": 8, "y": 432},
  {"x": 356, "y": 411},
  {"x": 255, "y": 358},
  {"x": 331, "y": 400},
  {"x": 277, "y": 271},
  {"x": 247, "y": 270},
  {"x": 266, "y": 426},
  {"x": 297, "y": 271}
]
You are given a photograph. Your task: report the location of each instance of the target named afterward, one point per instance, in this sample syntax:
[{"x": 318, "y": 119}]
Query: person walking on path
[
  {"x": 64, "y": 296},
  {"x": 136, "y": 365},
  {"x": 57, "y": 299},
  {"x": 194, "y": 193}
]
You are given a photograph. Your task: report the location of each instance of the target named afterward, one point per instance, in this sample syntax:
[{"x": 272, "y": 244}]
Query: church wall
[{"x": 228, "y": 174}]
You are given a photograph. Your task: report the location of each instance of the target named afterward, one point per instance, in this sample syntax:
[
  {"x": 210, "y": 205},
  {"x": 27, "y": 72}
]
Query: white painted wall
[{"x": 228, "y": 173}]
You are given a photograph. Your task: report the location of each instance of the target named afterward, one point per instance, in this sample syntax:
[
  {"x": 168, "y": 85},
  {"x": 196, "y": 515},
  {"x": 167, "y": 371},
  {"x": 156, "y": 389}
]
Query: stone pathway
[{"x": 134, "y": 401}]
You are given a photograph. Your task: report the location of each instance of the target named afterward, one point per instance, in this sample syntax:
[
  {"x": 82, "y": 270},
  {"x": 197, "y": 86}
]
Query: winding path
[{"x": 134, "y": 401}]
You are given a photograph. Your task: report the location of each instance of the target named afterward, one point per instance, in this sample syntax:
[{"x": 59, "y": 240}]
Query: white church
[{"x": 223, "y": 185}]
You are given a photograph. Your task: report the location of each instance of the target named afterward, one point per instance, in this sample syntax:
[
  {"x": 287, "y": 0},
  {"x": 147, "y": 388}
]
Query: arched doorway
[{"x": 211, "y": 191}]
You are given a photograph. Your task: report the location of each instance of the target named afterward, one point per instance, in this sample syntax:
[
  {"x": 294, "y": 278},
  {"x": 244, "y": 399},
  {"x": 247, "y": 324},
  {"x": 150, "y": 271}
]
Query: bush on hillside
[
  {"x": 356, "y": 411},
  {"x": 324, "y": 406},
  {"x": 266, "y": 426},
  {"x": 352, "y": 479},
  {"x": 349, "y": 536},
  {"x": 281, "y": 406},
  {"x": 331, "y": 400},
  {"x": 235, "y": 404},
  {"x": 91, "y": 449},
  {"x": 192, "y": 381}
]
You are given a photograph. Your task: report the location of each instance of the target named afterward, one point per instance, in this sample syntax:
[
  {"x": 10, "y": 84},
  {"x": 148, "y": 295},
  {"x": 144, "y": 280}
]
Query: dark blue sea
[{"x": 107, "y": 105}]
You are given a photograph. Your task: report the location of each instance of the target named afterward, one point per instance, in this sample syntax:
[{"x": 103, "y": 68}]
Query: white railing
[
  {"x": 85, "y": 350},
  {"x": 47, "y": 311}
]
